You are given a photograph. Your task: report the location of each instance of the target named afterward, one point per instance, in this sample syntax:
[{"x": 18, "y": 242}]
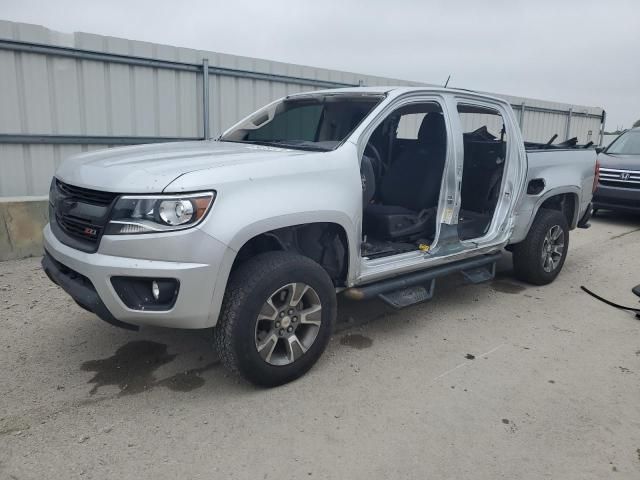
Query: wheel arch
[
  {"x": 568, "y": 203},
  {"x": 268, "y": 234},
  {"x": 326, "y": 243},
  {"x": 565, "y": 199}
]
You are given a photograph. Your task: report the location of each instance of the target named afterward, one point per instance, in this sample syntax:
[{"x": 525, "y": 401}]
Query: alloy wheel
[
  {"x": 552, "y": 248},
  {"x": 288, "y": 324}
]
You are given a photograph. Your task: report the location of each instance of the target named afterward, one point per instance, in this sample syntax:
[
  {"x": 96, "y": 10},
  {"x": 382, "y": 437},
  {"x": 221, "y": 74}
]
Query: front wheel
[
  {"x": 539, "y": 258},
  {"x": 277, "y": 318}
]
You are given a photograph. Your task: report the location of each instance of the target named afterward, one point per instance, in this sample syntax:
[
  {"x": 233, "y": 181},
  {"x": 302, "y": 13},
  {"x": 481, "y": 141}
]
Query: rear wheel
[
  {"x": 539, "y": 258},
  {"x": 277, "y": 317}
]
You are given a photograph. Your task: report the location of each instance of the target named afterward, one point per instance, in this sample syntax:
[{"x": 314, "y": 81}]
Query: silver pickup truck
[{"x": 368, "y": 192}]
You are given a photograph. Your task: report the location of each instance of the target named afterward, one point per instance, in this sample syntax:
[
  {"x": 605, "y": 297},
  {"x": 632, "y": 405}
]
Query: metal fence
[
  {"x": 102, "y": 91},
  {"x": 197, "y": 69}
]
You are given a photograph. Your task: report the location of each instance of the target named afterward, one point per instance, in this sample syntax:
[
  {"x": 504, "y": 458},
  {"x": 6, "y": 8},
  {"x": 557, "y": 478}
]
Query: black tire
[
  {"x": 249, "y": 287},
  {"x": 528, "y": 263}
]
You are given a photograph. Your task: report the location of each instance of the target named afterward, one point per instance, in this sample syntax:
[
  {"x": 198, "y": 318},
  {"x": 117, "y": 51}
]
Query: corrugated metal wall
[{"x": 45, "y": 93}]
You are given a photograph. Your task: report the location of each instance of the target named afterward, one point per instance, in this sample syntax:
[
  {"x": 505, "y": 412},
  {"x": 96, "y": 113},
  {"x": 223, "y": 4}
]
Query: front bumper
[
  {"x": 616, "y": 198},
  {"x": 80, "y": 289},
  {"x": 192, "y": 257}
]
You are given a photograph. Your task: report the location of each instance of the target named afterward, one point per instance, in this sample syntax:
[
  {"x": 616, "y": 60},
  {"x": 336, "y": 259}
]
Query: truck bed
[{"x": 572, "y": 143}]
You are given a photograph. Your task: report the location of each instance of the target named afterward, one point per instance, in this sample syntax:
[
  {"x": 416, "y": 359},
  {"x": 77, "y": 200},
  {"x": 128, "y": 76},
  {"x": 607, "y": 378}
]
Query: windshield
[
  {"x": 626, "y": 144},
  {"x": 314, "y": 122}
]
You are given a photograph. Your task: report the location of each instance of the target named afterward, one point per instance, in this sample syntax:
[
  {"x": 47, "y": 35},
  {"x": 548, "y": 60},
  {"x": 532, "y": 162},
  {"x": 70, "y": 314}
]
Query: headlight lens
[
  {"x": 176, "y": 212},
  {"x": 158, "y": 213}
]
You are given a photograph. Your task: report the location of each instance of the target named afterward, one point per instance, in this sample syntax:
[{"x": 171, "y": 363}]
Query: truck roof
[{"x": 398, "y": 90}]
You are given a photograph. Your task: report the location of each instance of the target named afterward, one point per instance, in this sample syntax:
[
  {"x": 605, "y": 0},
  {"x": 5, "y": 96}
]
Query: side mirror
[{"x": 599, "y": 150}]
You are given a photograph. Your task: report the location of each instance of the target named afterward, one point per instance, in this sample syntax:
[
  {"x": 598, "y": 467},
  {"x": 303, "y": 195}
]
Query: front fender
[
  {"x": 303, "y": 218},
  {"x": 262, "y": 226}
]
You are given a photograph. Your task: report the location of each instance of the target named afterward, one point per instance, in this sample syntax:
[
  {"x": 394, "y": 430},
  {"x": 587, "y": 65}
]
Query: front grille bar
[
  {"x": 88, "y": 227},
  {"x": 85, "y": 194},
  {"x": 620, "y": 178}
]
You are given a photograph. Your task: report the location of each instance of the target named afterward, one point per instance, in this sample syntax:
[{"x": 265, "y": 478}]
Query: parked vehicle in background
[
  {"x": 619, "y": 182},
  {"x": 373, "y": 192}
]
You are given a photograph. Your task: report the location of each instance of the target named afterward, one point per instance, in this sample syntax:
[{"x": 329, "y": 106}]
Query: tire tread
[
  {"x": 241, "y": 286},
  {"x": 526, "y": 254}
]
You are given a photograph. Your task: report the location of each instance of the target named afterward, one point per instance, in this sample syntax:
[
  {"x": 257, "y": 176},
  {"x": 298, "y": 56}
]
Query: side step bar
[{"x": 418, "y": 286}]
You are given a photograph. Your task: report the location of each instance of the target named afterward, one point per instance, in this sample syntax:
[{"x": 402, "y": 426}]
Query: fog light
[{"x": 139, "y": 293}]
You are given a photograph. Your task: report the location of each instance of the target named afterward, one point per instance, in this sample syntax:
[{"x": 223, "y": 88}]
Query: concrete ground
[{"x": 499, "y": 380}]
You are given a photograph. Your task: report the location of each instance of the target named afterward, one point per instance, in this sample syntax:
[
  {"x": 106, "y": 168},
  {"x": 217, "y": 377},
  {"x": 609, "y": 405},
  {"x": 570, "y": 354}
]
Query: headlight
[{"x": 158, "y": 213}]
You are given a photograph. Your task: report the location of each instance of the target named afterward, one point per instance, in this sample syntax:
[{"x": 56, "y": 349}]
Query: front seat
[{"x": 410, "y": 189}]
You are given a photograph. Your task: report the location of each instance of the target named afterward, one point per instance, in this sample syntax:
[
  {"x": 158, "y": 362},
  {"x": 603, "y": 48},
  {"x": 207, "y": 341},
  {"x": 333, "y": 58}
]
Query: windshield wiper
[
  {"x": 303, "y": 145},
  {"x": 282, "y": 144}
]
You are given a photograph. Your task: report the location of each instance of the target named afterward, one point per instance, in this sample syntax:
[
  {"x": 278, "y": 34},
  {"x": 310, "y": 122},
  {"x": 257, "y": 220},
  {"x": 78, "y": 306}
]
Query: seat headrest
[{"x": 433, "y": 130}]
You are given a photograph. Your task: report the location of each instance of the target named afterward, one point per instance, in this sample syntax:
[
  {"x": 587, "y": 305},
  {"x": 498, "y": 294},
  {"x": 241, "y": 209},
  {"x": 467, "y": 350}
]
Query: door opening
[
  {"x": 485, "y": 147},
  {"x": 402, "y": 170}
]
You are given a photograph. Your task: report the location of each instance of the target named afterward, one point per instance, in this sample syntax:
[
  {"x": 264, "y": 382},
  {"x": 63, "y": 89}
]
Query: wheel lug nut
[
  {"x": 277, "y": 324},
  {"x": 294, "y": 319},
  {"x": 290, "y": 311},
  {"x": 281, "y": 314},
  {"x": 281, "y": 331},
  {"x": 290, "y": 329}
]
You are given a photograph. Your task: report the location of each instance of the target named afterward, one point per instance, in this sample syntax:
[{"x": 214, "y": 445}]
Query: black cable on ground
[{"x": 610, "y": 303}]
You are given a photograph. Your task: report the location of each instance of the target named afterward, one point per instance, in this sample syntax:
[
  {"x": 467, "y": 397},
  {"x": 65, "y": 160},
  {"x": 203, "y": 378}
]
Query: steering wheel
[{"x": 376, "y": 159}]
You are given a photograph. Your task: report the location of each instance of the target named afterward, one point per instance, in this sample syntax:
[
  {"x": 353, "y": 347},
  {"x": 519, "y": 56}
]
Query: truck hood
[
  {"x": 150, "y": 168},
  {"x": 619, "y": 162}
]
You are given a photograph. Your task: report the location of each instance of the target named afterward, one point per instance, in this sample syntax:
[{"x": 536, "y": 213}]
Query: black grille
[
  {"x": 79, "y": 228},
  {"x": 80, "y": 215},
  {"x": 85, "y": 195}
]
